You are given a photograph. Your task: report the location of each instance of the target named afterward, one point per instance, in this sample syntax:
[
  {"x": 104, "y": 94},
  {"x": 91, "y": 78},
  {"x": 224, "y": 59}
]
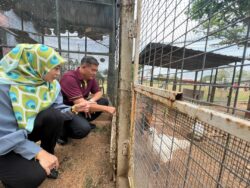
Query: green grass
[
  {"x": 88, "y": 182},
  {"x": 102, "y": 129},
  {"x": 221, "y": 94}
]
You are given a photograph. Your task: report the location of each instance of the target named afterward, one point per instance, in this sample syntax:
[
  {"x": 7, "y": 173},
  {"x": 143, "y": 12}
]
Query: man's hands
[
  {"x": 111, "y": 110},
  {"x": 88, "y": 114},
  {"x": 82, "y": 106},
  {"x": 47, "y": 161},
  {"x": 91, "y": 101}
]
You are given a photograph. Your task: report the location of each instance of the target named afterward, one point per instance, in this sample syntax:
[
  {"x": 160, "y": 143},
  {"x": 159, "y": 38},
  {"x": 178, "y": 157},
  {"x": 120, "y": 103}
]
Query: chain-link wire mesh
[
  {"x": 198, "y": 47},
  {"x": 201, "y": 49},
  {"x": 172, "y": 149},
  {"x": 61, "y": 25}
]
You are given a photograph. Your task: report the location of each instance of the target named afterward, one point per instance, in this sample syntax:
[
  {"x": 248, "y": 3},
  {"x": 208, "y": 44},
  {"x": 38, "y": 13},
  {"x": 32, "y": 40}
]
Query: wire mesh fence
[
  {"x": 200, "y": 48},
  {"x": 61, "y": 25},
  {"x": 173, "y": 149}
]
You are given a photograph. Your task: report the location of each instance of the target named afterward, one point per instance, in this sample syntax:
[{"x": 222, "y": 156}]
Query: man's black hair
[{"x": 89, "y": 60}]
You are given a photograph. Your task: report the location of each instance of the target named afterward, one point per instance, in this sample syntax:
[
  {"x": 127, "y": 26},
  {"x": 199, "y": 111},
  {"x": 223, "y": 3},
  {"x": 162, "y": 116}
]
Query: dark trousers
[
  {"x": 79, "y": 126},
  {"x": 16, "y": 171}
]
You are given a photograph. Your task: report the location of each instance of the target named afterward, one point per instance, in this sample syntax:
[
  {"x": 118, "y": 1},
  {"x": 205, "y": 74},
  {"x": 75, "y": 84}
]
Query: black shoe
[
  {"x": 53, "y": 174},
  {"x": 92, "y": 126},
  {"x": 62, "y": 141},
  {"x": 5, "y": 185}
]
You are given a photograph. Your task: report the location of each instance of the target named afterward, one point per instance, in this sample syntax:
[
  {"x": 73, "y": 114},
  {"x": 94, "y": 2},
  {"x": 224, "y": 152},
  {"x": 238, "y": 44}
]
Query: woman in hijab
[{"x": 31, "y": 110}]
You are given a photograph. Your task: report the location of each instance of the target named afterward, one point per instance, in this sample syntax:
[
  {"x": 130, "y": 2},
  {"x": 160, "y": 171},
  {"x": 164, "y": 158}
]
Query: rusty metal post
[
  {"x": 22, "y": 23},
  {"x": 247, "y": 114},
  {"x": 137, "y": 42},
  {"x": 42, "y": 39},
  {"x": 195, "y": 85},
  {"x": 135, "y": 81},
  {"x": 124, "y": 94},
  {"x": 231, "y": 88},
  {"x": 142, "y": 74},
  {"x": 241, "y": 67},
  {"x": 58, "y": 26},
  {"x": 213, "y": 86},
  {"x": 175, "y": 80},
  {"x": 112, "y": 71},
  {"x": 1, "y": 48},
  {"x": 68, "y": 46},
  {"x": 209, "y": 87},
  {"x": 131, "y": 140},
  {"x": 86, "y": 46},
  {"x": 152, "y": 76}
]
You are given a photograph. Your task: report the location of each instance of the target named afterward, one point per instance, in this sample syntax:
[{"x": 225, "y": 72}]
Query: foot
[
  {"x": 53, "y": 174},
  {"x": 92, "y": 126},
  {"x": 62, "y": 141}
]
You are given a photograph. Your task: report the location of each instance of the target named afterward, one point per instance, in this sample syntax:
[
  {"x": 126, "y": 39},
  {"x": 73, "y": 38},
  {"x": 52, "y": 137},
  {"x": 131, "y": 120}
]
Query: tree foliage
[
  {"x": 105, "y": 72},
  {"x": 227, "y": 19}
]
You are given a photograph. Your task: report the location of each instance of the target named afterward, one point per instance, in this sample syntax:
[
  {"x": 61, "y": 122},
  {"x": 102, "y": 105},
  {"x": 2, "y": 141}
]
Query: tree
[
  {"x": 100, "y": 77},
  {"x": 245, "y": 75},
  {"x": 223, "y": 75},
  {"x": 105, "y": 72},
  {"x": 225, "y": 16},
  {"x": 161, "y": 76},
  {"x": 207, "y": 78}
]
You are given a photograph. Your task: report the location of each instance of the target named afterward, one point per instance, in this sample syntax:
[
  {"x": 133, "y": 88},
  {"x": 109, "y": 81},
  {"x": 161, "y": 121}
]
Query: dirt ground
[{"x": 85, "y": 163}]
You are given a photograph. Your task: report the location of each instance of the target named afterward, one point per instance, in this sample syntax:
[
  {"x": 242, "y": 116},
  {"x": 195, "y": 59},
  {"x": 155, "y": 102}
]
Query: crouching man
[{"x": 77, "y": 85}]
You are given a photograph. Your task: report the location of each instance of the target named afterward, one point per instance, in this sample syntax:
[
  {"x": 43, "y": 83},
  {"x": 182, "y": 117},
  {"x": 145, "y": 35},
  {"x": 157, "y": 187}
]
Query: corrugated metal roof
[
  {"x": 92, "y": 18},
  {"x": 161, "y": 55},
  {"x": 21, "y": 36}
]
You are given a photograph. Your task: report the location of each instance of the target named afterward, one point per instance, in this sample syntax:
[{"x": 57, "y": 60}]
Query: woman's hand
[{"x": 47, "y": 161}]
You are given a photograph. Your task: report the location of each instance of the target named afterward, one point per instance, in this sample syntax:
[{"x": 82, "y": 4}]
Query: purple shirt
[{"x": 74, "y": 87}]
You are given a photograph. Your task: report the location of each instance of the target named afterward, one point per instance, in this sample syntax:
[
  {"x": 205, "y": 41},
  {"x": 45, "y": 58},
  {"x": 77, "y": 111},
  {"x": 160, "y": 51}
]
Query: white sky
[{"x": 157, "y": 26}]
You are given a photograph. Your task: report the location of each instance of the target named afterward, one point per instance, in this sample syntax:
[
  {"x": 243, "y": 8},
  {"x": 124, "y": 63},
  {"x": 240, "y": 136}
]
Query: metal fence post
[
  {"x": 58, "y": 26},
  {"x": 124, "y": 95},
  {"x": 135, "y": 81}
]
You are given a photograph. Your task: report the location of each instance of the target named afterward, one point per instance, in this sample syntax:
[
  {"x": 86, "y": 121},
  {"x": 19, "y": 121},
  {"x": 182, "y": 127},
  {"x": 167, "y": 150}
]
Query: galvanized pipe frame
[{"x": 233, "y": 125}]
